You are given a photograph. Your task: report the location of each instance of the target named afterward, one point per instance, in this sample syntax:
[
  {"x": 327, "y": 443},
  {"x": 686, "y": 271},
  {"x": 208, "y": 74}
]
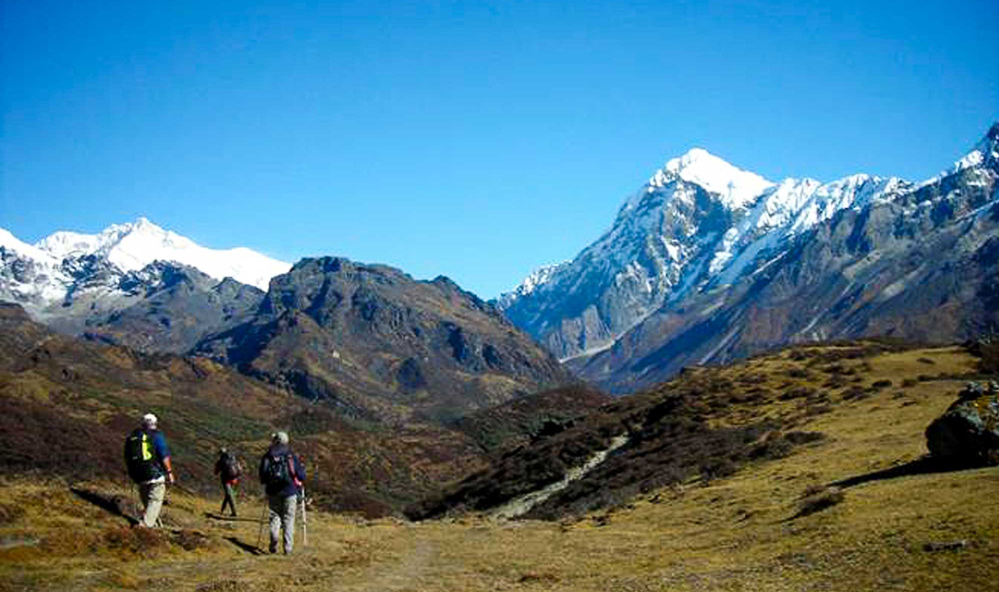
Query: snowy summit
[
  {"x": 42, "y": 275},
  {"x": 736, "y": 187},
  {"x": 132, "y": 246}
]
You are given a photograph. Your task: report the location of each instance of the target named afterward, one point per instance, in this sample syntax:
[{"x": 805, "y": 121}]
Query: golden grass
[{"x": 736, "y": 533}]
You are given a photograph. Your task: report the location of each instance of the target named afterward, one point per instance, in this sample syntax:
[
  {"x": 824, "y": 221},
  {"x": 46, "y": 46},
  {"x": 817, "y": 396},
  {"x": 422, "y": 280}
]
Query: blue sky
[{"x": 475, "y": 140}]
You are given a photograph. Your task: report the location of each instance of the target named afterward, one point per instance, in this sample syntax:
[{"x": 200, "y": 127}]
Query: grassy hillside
[
  {"x": 887, "y": 526},
  {"x": 66, "y": 405}
]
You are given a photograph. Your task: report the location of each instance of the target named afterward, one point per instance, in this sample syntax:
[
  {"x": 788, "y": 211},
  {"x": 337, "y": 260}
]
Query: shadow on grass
[
  {"x": 245, "y": 547},
  {"x": 926, "y": 465},
  {"x": 114, "y": 504},
  {"x": 226, "y": 518}
]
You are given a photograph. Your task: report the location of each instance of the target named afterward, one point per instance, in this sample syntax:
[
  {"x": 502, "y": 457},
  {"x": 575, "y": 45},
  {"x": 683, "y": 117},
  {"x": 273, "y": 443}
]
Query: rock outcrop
[{"x": 968, "y": 432}]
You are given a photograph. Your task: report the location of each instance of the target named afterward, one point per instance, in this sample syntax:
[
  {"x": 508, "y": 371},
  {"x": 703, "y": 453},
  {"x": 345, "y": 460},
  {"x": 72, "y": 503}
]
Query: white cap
[{"x": 149, "y": 420}]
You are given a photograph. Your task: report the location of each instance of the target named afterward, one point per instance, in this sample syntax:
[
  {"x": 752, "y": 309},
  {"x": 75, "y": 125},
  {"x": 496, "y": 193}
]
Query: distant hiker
[
  {"x": 282, "y": 474},
  {"x": 147, "y": 458},
  {"x": 229, "y": 470}
]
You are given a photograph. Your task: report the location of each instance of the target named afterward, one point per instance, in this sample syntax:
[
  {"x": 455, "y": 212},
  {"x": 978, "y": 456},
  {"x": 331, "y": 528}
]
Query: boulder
[{"x": 968, "y": 432}]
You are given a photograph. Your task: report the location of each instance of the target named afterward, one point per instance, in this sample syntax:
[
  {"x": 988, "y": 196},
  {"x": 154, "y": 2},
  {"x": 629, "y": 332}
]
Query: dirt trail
[{"x": 523, "y": 504}]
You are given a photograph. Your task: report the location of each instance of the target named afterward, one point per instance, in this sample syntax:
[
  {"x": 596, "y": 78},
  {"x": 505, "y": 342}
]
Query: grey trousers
[
  {"x": 282, "y": 515},
  {"x": 230, "y": 498},
  {"x": 152, "y": 495}
]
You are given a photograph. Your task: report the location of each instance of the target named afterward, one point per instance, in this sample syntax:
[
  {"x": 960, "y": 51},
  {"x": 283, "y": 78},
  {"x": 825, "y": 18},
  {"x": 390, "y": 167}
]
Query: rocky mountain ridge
[
  {"x": 381, "y": 345},
  {"x": 681, "y": 251}
]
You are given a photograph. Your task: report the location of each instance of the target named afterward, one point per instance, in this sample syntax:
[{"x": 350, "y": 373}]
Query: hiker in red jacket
[{"x": 229, "y": 469}]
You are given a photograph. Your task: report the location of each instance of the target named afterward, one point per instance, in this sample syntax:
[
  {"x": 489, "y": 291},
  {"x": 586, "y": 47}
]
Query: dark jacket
[
  {"x": 221, "y": 468},
  {"x": 298, "y": 472}
]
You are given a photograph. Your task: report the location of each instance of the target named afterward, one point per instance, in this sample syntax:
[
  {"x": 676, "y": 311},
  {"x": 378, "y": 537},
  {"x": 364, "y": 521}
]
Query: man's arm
[
  {"x": 169, "y": 469},
  {"x": 163, "y": 452},
  {"x": 299, "y": 469}
]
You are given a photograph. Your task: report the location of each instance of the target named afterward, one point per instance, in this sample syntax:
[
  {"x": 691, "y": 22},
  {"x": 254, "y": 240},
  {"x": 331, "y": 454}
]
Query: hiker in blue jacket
[
  {"x": 282, "y": 474},
  {"x": 147, "y": 458}
]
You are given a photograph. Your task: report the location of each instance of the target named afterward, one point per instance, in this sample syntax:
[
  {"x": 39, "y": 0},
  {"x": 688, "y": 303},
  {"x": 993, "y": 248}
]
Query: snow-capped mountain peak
[
  {"x": 736, "y": 187},
  {"x": 985, "y": 152},
  {"x": 134, "y": 245},
  {"x": 12, "y": 243}
]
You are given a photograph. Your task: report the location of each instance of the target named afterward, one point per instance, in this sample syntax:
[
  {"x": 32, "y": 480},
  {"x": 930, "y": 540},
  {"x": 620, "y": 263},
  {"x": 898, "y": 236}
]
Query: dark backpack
[
  {"x": 231, "y": 468},
  {"x": 140, "y": 457},
  {"x": 275, "y": 472}
]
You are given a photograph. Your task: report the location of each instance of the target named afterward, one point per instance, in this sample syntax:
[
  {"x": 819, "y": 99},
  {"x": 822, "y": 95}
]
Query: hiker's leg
[
  {"x": 144, "y": 498},
  {"x": 288, "y": 520},
  {"x": 230, "y": 494},
  {"x": 275, "y": 506},
  {"x": 152, "y": 497},
  {"x": 227, "y": 501}
]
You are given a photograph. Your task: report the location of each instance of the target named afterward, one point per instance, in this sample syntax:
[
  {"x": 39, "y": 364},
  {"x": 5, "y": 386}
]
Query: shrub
[
  {"x": 10, "y": 513},
  {"x": 988, "y": 354},
  {"x": 797, "y": 393},
  {"x": 880, "y": 384},
  {"x": 821, "y": 500},
  {"x": 222, "y": 586},
  {"x": 130, "y": 543},
  {"x": 799, "y": 373},
  {"x": 773, "y": 448},
  {"x": 835, "y": 382},
  {"x": 798, "y": 438},
  {"x": 855, "y": 393},
  {"x": 717, "y": 468}
]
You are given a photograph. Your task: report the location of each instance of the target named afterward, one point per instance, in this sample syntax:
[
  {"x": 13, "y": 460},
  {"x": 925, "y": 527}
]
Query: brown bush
[
  {"x": 74, "y": 447},
  {"x": 856, "y": 393},
  {"x": 801, "y": 373},
  {"x": 222, "y": 586},
  {"x": 10, "y": 513},
  {"x": 192, "y": 540},
  {"x": 988, "y": 357},
  {"x": 821, "y": 500},
  {"x": 773, "y": 448},
  {"x": 133, "y": 543},
  {"x": 797, "y": 393},
  {"x": 798, "y": 438}
]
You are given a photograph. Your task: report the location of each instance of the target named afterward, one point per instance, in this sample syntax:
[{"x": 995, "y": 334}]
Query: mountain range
[
  {"x": 135, "y": 284},
  {"x": 708, "y": 263},
  {"x": 366, "y": 339}
]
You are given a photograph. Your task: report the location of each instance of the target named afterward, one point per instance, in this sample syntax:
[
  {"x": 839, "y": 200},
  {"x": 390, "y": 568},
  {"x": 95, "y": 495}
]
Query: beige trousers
[
  {"x": 152, "y": 495},
  {"x": 282, "y": 518}
]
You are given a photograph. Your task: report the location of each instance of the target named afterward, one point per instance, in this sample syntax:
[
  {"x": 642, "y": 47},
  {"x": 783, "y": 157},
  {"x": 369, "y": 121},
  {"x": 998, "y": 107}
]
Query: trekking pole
[
  {"x": 305, "y": 523},
  {"x": 260, "y": 531}
]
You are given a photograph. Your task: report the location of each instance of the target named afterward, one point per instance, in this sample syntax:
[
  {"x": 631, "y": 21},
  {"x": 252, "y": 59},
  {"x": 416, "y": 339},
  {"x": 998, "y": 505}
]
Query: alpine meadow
[{"x": 261, "y": 327}]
